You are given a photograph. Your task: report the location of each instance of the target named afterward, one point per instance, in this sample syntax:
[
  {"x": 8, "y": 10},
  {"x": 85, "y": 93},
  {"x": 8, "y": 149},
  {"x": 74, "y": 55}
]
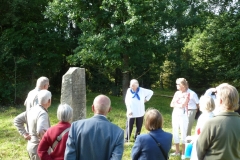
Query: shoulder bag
[
  {"x": 58, "y": 139},
  {"x": 159, "y": 145}
]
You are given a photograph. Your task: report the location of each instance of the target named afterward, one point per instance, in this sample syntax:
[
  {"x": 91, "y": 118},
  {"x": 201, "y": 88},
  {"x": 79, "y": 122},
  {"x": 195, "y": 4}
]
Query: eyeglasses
[{"x": 177, "y": 84}]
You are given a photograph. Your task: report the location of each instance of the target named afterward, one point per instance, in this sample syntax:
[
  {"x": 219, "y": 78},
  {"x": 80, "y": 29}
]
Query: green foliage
[
  {"x": 152, "y": 41},
  {"x": 215, "y": 51},
  {"x": 116, "y": 35},
  {"x": 30, "y": 46}
]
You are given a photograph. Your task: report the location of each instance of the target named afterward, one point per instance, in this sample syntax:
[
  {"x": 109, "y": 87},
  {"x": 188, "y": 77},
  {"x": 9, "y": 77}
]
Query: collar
[
  {"x": 227, "y": 114},
  {"x": 43, "y": 108},
  {"x": 100, "y": 115}
]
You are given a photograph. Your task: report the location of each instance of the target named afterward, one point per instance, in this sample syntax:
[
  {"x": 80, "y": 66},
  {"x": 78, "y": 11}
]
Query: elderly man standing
[
  {"x": 220, "y": 138},
  {"x": 32, "y": 100},
  {"x": 37, "y": 121},
  {"x": 96, "y": 137},
  {"x": 135, "y": 102}
]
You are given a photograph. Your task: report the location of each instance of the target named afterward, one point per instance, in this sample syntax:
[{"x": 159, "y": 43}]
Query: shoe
[
  {"x": 182, "y": 157},
  {"x": 125, "y": 141},
  {"x": 175, "y": 154}
]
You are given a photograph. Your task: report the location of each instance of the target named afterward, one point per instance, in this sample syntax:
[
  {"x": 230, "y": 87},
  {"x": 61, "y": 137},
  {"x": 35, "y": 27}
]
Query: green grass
[{"x": 13, "y": 146}]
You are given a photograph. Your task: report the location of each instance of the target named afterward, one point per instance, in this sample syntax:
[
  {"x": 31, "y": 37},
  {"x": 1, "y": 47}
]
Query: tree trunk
[{"x": 125, "y": 74}]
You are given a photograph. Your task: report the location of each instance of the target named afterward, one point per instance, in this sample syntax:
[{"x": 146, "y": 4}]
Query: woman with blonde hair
[
  {"x": 207, "y": 105},
  {"x": 146, "y": 145}
]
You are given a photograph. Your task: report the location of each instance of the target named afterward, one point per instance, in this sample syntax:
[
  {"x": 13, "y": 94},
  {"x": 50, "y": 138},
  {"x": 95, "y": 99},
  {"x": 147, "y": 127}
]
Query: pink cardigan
[{"x": 48, "y": 140}]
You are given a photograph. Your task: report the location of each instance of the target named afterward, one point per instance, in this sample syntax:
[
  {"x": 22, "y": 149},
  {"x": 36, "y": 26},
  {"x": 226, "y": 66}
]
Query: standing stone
[{"x": 73, "y": 91}]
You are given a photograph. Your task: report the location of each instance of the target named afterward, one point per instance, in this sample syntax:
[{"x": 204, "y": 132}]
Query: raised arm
[
  {"x": 148, "y": 94},
  {"x": 19, "y": 122}
]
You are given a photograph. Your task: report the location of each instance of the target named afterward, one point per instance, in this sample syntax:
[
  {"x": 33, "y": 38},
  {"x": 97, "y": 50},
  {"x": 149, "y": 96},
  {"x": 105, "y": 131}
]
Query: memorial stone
[{"x": 73, "y": 91}]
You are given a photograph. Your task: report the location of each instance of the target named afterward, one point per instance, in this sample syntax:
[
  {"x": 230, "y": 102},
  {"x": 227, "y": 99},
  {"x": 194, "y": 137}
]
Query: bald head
[{"x": 101, "y": 105}]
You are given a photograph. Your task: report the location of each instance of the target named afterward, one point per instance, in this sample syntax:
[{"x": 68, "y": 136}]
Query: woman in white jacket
[{"x": 135, "y": 103}]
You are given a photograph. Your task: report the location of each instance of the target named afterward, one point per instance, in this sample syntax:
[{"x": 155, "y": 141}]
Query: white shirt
[
  {"x": 32, "y": 99},
  {"x": 137, "y": 107},
  {"x": 193, "y": 99}
]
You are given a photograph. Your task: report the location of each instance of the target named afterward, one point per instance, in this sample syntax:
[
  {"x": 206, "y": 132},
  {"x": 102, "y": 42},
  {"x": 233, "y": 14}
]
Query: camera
[{"x": 214, "y": 93}]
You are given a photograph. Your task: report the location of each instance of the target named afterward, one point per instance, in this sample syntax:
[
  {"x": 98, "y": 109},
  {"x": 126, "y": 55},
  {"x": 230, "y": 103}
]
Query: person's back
[
  {"x": 56, "y": 136},
  {"x": 145, "y": 148},
  {"x": 37, "y": 121},
  {"x": 36, "y": 116},
  {"x": 96, "y": 137},
  {"x": 225, "y": 128},
  {"x": 32, "y": 98},
  {"x": 219, "y": 139}
]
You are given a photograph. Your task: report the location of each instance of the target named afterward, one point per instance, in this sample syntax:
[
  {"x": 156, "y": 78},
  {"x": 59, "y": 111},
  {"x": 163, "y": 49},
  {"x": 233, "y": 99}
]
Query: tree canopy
[{"x": 153, "y": 41}]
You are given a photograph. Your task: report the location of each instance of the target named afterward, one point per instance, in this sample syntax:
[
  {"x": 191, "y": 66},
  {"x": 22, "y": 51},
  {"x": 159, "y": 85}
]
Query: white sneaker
[
  {"x": 175, "y": 154},
  {"x": 182, "y": 157}
]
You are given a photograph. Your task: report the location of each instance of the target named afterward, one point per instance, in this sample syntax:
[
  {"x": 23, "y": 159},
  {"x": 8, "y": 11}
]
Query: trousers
[
  {"x": 129, "y": 127},
  {"x": 191, "y": 119}
]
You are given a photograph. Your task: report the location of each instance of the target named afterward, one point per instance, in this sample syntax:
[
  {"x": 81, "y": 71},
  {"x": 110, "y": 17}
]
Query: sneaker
[
  {"x": 175, "y": 154},
  {"x": 182, "y": 157}
]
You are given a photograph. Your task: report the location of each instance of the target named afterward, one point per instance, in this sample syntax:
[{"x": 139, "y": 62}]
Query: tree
[
  {"x": 214, "y": 51},
  {"x": 118, "y": 35},
  {"x": 30, "y": 46},
  {"x": 184, "y": 18}
]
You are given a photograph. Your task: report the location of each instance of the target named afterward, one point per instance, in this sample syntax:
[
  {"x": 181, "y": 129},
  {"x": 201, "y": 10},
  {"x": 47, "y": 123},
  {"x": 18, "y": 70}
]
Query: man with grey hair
[
  {"x": 32, "y": 100},
  {"x": 135, "y": 103},
  {"x": 96, "y": 137},
  {"x": 220, "y": 138},
  {"x": 56, "y": 136},
  {"x": 37, "y": 121}
]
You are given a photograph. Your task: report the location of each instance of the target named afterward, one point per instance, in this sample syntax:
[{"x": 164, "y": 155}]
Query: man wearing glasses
[{"x": 32, "y": 99}]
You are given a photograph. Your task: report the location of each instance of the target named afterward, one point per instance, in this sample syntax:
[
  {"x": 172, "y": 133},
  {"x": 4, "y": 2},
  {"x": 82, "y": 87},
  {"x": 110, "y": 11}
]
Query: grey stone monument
[{"x": 73, "y": 91}]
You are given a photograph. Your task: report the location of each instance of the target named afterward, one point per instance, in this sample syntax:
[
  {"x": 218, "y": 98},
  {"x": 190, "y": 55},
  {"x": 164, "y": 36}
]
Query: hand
[
  {"x": 41, "y": 134},
  {"x": 27, "y": 136},
  {"x": 129, "y": 114}
]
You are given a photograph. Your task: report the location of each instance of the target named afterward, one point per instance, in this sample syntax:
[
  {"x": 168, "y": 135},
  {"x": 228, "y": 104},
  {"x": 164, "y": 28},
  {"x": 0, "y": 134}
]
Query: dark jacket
[{"x": 145, "y": 147}]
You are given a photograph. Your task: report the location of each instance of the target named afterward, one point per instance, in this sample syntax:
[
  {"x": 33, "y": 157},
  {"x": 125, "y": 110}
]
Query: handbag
[{"x": 159, "y": 145}]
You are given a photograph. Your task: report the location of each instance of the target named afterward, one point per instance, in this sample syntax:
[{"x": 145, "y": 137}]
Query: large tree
[
  {"x": 215, "y": 51},
  {"x": 30, "y": 46},
  {"x": 184, "y": 18},
  {"x": 125, "y": 36}
]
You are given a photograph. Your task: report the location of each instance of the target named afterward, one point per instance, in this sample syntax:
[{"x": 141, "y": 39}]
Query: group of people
[
  {"x": 218, "y": 127},
  {"x": 98, "y": 138},
  {"x": 93, "y": 138}
]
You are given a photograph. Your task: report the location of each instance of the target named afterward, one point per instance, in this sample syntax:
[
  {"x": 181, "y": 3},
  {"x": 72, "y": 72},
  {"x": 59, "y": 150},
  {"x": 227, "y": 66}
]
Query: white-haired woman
[
  {"x": 64, "y": 115},
  {"x": 207, "y": 105}
]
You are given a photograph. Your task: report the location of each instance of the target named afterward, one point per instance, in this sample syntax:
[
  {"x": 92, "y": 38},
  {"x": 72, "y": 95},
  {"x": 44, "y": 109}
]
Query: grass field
[{"x": 13, "y": 146}]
